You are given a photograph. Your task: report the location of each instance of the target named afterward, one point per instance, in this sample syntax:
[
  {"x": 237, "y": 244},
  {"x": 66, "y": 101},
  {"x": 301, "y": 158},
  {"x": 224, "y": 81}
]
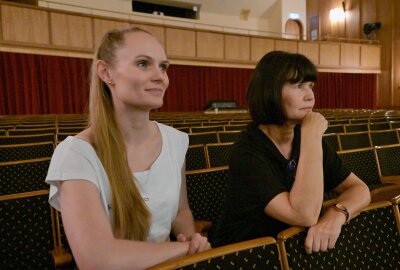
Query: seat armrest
[
  {"x": 395, "y": 179},
  {"x": 202, "y": 226},
  {"x": 62, "y": 258}
]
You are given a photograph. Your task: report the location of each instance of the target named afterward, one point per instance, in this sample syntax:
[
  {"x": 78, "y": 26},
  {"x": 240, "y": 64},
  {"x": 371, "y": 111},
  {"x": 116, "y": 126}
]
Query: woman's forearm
[
  {"x": 184, "y": 223},
  {"x": 307, "y": 192}
]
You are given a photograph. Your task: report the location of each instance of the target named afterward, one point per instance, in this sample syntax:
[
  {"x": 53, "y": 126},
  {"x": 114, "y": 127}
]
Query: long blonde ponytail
[{"x": 131, "y": 216}]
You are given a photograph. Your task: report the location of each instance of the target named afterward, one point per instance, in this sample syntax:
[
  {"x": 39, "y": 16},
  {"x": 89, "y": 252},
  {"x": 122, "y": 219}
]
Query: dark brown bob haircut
[{"x": 264, "y": 92}]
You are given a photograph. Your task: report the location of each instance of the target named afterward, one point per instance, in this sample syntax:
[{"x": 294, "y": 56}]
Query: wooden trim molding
[{"x": 66, "y": 33}]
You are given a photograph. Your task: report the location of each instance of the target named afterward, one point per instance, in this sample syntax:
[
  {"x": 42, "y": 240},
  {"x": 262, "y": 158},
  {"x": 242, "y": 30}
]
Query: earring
[{"x": 110, "y": 83}]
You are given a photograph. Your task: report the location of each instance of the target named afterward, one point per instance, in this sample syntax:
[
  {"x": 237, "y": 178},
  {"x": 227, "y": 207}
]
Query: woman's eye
[
  {"x": 164, "y": 67},
  {"x": 142, "y": 64}
]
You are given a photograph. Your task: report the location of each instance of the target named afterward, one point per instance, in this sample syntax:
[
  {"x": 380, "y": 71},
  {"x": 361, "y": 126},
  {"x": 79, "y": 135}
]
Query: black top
[{"x": 259, "y": 172}]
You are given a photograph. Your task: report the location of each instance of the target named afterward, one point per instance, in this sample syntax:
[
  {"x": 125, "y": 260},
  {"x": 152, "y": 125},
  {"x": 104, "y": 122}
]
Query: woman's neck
[
  {"x": 281, "y": 137},
  {"x": 135, "y": 126}
]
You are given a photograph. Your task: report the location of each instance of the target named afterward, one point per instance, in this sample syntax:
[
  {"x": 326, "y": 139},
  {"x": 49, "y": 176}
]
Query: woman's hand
[
  {"x": 314, "y": 123},
  {"x": 323, "y": 235},
  {"x": 198, "y": 243}
]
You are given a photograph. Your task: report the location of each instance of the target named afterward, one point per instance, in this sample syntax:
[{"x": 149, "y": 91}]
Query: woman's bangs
[{"x": 302, "y": 71}]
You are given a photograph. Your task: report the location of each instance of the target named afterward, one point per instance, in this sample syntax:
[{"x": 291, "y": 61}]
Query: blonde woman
[{"x": 120, "y": 184}]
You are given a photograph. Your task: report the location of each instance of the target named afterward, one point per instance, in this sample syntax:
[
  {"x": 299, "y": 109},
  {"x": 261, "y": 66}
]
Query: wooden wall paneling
[
  {"x": 1, "y": 24},
  {"x": 310, "y": 50},
  {"x": 385, "y": 13},
  {"x": 329, "y": 54},
  {"x": 338, "y": 29},
  {"x": 396, "y": 74},
  {"x": 237, "y": 48},
  {"x": 260, "y": 47},
  {"x": 24, "y": 25},
  {"x": 396, "y": 59},
  {"x": 180, "y": 42},
  {"x": 157, "y": 31},
  {"x": 45, "y": 28},
  {"x": 352, "y": 19},
  {"x": 71, "y": 30},
  {"x": 286, "y": 45},
  {"x": 101, "y": 26},
  {"x": 368, "y": 14},
  {"x": 350, "y": 55},
  {"x": 370, "y": 56},
  {"x": 312, "y": 8},
  {"x": 325, "y": 24},
  {"x": 210, "y": 45}
]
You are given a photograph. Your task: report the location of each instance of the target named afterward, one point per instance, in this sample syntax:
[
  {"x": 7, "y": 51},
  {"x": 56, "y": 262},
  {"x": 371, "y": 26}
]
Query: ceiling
[{"x": 256, "y": 8}]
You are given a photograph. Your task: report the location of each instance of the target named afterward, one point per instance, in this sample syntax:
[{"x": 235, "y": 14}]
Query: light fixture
[
  {"x": 244, "y": 14},
  {"x": 337, "y": 15},
  {"x": 294, "y": 16}
]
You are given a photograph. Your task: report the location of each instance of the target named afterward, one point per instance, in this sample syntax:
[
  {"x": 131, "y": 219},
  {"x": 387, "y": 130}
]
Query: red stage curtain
[
  {"x": 346, "y": 90},
  {"x": 191, "y": 88},
  {"x": 40, "y": 84}
]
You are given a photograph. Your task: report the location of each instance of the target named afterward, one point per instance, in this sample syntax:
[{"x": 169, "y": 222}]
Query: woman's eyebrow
[{"x": 150, "y": 58}]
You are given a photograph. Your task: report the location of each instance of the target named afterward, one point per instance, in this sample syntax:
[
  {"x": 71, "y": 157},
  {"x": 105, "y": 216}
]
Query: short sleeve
[
  {"x": 69, "y": 162},
  {"x": 183, "y": 146},
  {"x": 178, "y": 142}
]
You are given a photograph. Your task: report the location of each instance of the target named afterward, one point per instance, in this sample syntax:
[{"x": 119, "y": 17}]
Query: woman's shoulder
[
  {"x": 168, "y": 130},
  {"x": 85, "y": 135},
  {"x": 78, "y": 144}
]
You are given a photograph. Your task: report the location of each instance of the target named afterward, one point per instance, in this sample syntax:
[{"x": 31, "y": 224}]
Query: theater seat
[
  {"x": 258, "y": 254},
  {"x": 370, "y": 240}
]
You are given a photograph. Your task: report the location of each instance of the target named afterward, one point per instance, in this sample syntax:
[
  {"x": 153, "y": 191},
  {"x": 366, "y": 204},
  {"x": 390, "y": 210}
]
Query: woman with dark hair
[{"x": 280, "y": 167}]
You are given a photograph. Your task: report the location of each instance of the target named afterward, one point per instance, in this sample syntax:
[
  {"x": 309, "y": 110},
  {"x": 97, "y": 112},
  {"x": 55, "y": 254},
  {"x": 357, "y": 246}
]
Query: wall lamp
[{"x": 337, "y": 15}]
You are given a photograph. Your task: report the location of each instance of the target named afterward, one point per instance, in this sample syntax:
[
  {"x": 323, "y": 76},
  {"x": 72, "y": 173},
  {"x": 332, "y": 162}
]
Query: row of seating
[
  {"x": 200, "y": 156},
  {"x": 377, "y": 167},
  {"x": 210, "y": 155},
  {"x": 197, "y": 157},
  {"x": 31, "y": 232},
  {"x": 204, "y": 198},
  {"x": 190, "y": 128},
  {"x": 349, "y": 128},
  {"x": 370, "y": 241},
  {"x": 214, "y": 128},
  {"x": 346, "y": 141},
  {"x": 16, "y": 152},
  {"x": 362, "y": 120},
  {"x": 76, "y": 129},
  {"x": 340, "y": 141},
  {"x": 45, "y": 240},
  {"x": 207, "y": 186},
  {"x": 175, "y": 117},
  {"x": 351, "y": 113},
  {"x": 198, "y": 138},
  {"x": 162, "y": 117},
  {"x": 27, "y": 130}
]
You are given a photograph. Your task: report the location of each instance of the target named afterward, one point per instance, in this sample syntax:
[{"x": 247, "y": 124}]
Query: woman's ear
[{"x": 103, "y": 71}]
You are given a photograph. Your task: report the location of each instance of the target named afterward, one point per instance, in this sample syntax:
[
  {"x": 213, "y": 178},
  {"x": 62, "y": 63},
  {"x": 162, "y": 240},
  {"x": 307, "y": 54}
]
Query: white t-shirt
[{"x": 160, "y": 186}]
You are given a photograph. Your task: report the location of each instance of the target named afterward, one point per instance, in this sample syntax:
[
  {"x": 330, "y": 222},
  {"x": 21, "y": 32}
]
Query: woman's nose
[
  {"x": 159, "y": 75},
  {"x": 309, "y": 95}
]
